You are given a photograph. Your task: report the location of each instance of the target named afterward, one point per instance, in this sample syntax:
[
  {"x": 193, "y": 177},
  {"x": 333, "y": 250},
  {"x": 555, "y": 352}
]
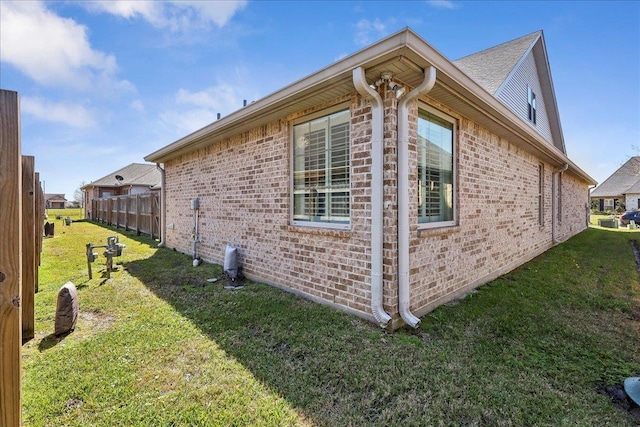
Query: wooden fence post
[
  {"x": 138, "y": 214},
  {"x": 29, "y": 265},
  {"x": 39, "y": 229},
  {"x": 10, "y": 260}
]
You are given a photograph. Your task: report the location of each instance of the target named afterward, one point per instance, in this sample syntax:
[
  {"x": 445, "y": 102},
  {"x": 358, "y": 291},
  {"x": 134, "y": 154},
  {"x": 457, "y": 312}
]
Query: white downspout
[
  {"x": 163, "y": 210},
  {"x": 554, "y": 201},
  {"x": 404, "y": 297},
  {"x": 377, "y": 186}
]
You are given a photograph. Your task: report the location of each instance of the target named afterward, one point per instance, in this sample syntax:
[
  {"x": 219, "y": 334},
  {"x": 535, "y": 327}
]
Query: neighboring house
[
  {"x": 385, "y": 184},
  {"x": 623, "y": 186},
  {"x": 137, "y": 178},
  {"x": 54, "y": 201}
]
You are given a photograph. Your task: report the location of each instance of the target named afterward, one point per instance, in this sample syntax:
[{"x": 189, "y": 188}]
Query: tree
[{"x": 78, "y": 195}]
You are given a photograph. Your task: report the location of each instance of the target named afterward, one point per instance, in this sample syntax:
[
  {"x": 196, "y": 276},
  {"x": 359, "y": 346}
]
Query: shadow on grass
[
  {"x": 513, "y": 337},
  {"x": 51, "y": 341}
]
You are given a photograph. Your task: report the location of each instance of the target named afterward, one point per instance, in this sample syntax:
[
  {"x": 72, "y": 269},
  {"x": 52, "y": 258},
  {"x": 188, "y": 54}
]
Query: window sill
[
  {"x": 439, "y": 230},
  {"x": 319, "y": 231}
]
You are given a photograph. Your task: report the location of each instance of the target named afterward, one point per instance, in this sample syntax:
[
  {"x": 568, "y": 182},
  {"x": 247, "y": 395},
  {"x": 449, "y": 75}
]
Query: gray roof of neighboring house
[
  {"x": 55, "y": 197},
  {"x": 625, "y": 180},
  {"x": 143, "y": 174},
  {"x": 491, "y": 67}
]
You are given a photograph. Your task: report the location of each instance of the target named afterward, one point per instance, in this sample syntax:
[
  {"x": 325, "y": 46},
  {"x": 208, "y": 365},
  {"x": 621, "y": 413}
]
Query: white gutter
[
  {"x": 554, "y": 200},
  {"x": 377, "y": 186},
  {"x": 404, "y": 298},
  {"x": 163, "y": 210}
]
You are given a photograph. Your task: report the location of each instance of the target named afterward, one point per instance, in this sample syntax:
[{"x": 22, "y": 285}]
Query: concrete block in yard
[
  {"x": 66, "y": 309},
  {"x": 608, "y": 223}
]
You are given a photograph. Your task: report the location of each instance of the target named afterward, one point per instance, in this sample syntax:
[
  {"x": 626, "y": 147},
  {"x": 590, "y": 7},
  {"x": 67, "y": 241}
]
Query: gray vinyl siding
[{"x": 514, "y": 95}]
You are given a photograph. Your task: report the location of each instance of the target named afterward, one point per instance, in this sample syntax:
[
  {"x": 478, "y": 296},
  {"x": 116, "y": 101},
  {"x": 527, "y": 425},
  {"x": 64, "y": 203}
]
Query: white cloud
[
  {"x": 187, "y": 121},
  {"x": 222, "y": 97},
  {"x": 198, "y": 109},
  {"x": 53, "y": 50},
  {"x": 70, "y": 114},
  {"x": 368, "y": 31},
  {"x": 443, "y": 4},
  {"x": 137, "y": 105},
  {"x": 176, "y": 15}
]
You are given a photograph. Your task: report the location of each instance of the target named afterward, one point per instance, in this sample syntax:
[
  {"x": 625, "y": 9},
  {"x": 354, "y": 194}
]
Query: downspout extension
[
  {"x": 163, "y": 216},
  {"x": 377, "y": 186},
  {"x": 554, "y": 201},
  {"x": 404, "y": 297}
]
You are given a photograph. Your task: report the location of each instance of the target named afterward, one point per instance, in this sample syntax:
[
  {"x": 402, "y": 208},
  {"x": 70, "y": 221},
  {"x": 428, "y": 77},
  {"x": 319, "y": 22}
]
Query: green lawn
[{"x": 158, "y": 344}]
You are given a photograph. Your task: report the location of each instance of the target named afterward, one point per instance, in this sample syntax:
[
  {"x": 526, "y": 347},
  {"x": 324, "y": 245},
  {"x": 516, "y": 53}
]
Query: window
[
  {"x": 532, "y": 106},
  {"x": 435, "y": 169},
  {"x": 321, "y": 163},
  {"x": 541, "y": 194}
]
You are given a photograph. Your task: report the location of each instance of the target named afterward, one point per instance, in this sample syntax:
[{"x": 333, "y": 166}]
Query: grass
[{"x": 158, "y": 344}]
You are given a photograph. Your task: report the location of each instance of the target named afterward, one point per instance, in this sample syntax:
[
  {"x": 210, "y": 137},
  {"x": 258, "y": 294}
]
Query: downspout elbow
[
  {"x": 404, "y": 297},
  {"x": 377, "y": 185}
]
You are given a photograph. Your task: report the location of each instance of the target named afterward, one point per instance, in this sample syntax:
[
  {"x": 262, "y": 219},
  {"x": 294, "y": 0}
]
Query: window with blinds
[
  {"x": 321, "y": 170},
  {"x": 435, "y": 169}
]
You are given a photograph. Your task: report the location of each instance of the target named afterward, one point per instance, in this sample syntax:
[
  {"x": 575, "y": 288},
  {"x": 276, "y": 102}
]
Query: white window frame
[
  {"x": 454, "y": 185},
  {"x": 297, "y": 221},
  {"x": 531, "y": 103}
]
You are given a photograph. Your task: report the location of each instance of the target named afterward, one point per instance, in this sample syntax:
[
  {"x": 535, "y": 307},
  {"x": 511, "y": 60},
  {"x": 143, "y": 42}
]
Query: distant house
[
  {"x": 137, "y": 178},
  {"x": 623, "y": 186},
  {"x": 54, "y": 201},
  {"x": 387, "y": 183}
]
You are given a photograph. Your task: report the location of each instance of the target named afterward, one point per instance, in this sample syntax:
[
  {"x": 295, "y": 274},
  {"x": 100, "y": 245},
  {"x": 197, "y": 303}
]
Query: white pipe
[
  {"x": 377, "y": 186},
  {"x": 404, "y": 297},
  {"x": 554, "y": 201},
  {"x": 163, "y": 210},
  {"x": 196, "y": 236}
]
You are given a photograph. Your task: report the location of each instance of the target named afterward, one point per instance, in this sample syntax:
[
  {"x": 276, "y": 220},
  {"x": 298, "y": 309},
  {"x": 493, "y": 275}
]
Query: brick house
[
  {"x": 623, "y": 186},
  {"x": 54, "y": 201},
  {"x": 136, "y": 178},
  {"x": 387, "y": 183}
]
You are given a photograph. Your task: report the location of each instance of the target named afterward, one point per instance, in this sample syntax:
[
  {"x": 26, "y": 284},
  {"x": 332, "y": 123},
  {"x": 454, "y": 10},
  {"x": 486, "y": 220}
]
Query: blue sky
[{"x": 102, "y": 84}]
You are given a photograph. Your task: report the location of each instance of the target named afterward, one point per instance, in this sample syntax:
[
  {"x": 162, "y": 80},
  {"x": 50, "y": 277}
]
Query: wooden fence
[
  {"x": 21, "y": 214},
  {"x": 140, "y": 213}
]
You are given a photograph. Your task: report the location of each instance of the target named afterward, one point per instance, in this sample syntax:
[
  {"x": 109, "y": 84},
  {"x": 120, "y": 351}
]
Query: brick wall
[
  {"x": 243, "y": 184},
  {"x": 498, "y": 226}
]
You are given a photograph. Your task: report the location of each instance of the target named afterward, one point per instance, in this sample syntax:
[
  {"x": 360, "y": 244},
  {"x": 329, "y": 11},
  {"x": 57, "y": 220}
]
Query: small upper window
[{"x": 532, "y": 106}]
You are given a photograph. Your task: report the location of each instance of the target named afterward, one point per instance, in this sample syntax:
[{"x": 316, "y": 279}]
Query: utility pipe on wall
[
  {"x": 404, "y": 297},
  {"x": 163, "y": 211},
  {"x": 377, "y": 186},
  {"x": 554, "y": 200}
]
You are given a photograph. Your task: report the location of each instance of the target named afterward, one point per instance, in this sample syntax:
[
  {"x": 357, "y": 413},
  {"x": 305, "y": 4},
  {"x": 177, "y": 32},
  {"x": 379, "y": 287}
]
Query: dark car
[{"x": 627, "y": 217}]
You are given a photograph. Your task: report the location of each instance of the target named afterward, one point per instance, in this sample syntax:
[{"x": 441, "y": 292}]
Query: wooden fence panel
[
  {"x": 29, "y": 261},
  {"x": 10, "y": 260},
  {"x": 139, "y": 213}
]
